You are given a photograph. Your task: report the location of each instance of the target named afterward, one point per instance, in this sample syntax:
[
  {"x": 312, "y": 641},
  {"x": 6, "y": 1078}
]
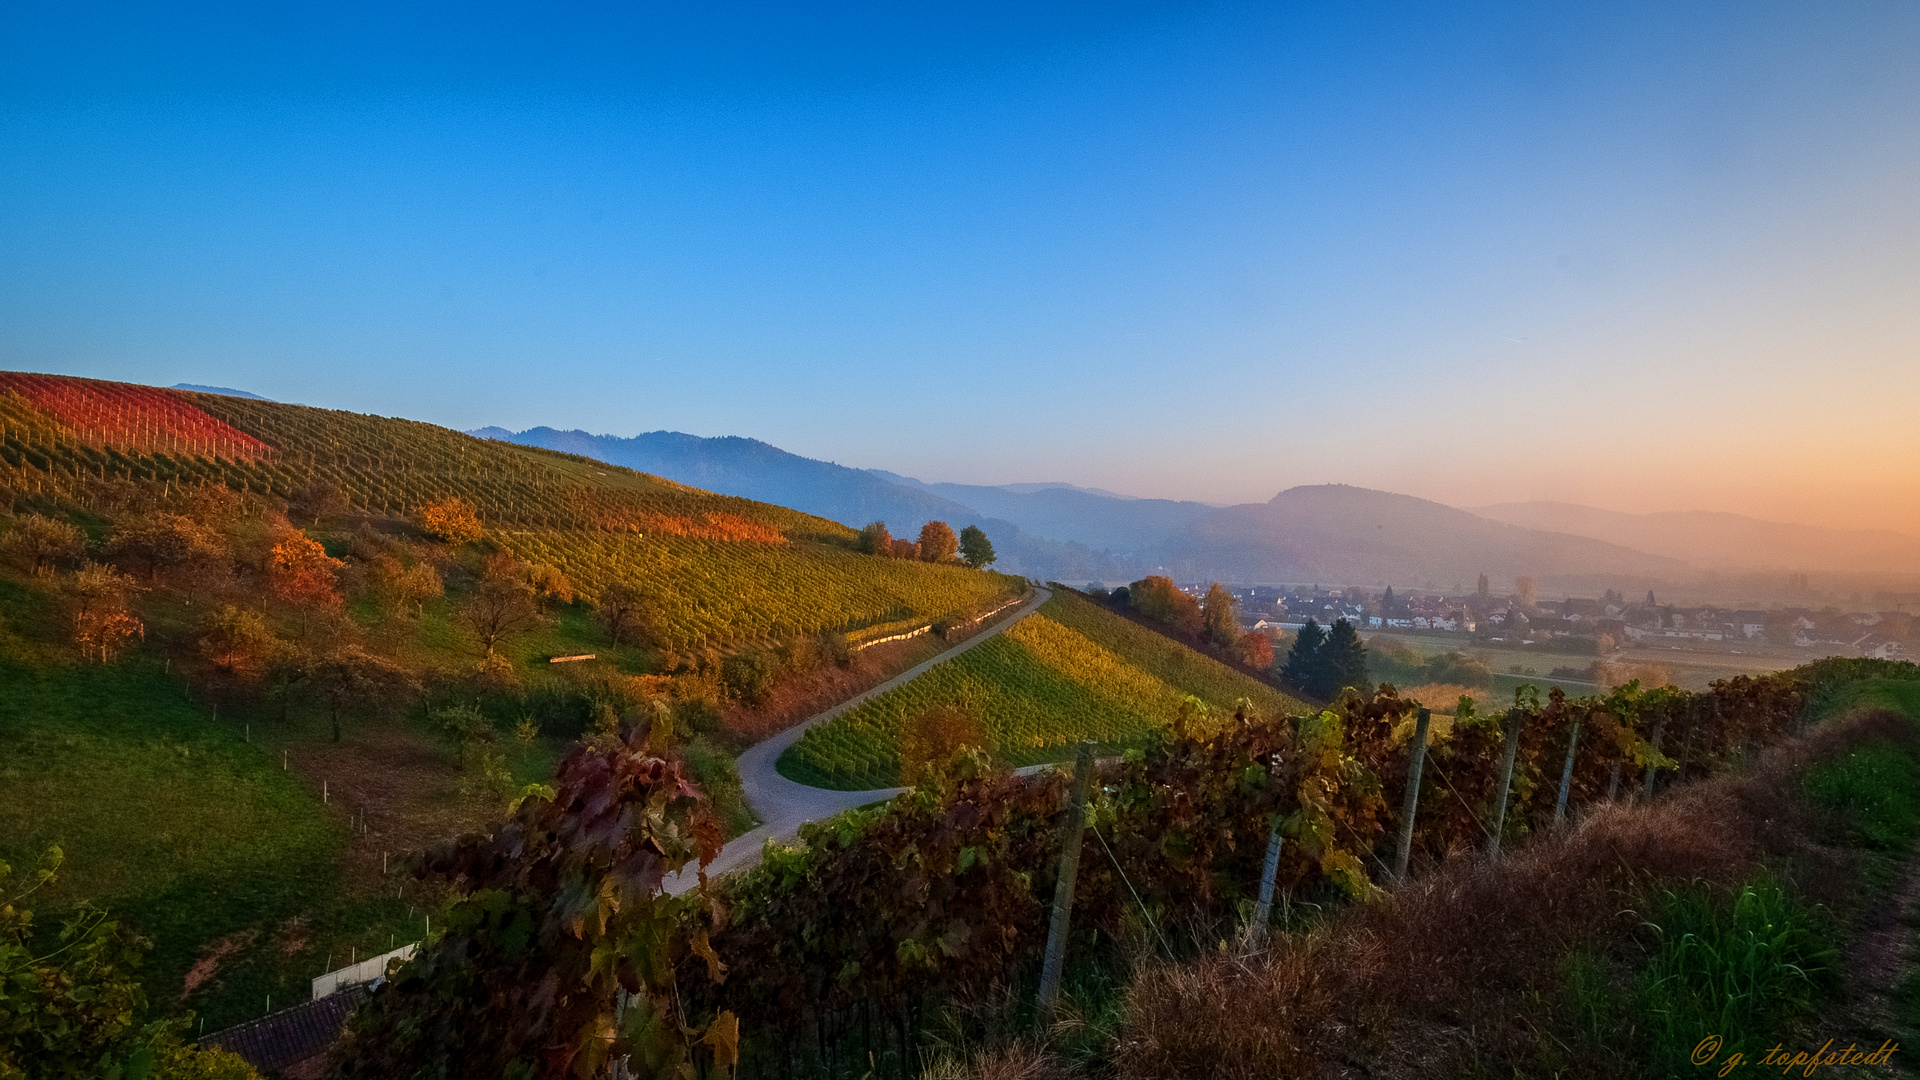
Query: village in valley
[{"x": 1610, "y": 627}]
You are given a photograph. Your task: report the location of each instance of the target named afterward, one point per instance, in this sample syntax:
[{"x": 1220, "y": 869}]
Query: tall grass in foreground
[
  {"x": 1744, "y": 967},
  {"x": 1743, "y": 970}
]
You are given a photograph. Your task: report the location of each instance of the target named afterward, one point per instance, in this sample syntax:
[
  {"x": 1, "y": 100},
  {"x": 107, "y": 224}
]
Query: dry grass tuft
[
  {"x": 1015, "y": 1061},
  {"x": 1445, "y": 697}
]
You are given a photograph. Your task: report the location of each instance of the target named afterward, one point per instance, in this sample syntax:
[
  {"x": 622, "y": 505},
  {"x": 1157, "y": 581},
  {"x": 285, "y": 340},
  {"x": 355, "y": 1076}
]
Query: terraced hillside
[{"x": 1069, "y": 672}]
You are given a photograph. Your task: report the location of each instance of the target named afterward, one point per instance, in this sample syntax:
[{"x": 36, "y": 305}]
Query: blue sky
[{"x": 1642, "y": 256}]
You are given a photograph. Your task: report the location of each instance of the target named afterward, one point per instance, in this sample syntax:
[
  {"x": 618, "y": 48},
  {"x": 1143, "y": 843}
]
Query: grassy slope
[
  {"x": 196, "y": 836},
  {"x": 719, "y": 592},
  {"x": 1069, "y": 672}
]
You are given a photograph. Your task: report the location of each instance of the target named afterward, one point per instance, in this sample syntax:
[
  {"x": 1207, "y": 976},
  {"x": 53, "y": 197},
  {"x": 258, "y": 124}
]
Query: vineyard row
[{"x": 941, "y": 894}]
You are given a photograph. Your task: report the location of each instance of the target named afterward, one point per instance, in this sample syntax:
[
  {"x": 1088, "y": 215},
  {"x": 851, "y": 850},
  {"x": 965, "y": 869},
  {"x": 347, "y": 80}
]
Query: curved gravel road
[{"x": 783, "y": 805}]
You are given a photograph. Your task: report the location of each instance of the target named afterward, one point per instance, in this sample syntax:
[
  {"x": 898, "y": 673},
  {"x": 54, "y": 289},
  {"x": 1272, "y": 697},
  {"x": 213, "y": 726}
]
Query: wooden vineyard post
[
  {"x": 1653, "y": 771},
  {"x": 1069, "y": 870},
  {"x": 1263, "y": 910},
  {"x": 1686, "y": 741},
  {"x": 1416, "y": 763},
  {"x": 1566, "y": 775},
  {"x": 1514, "y": 719}
]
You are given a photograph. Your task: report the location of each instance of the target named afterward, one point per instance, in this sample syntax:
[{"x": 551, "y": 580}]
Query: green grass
[
  {"x": 1751, "y": 965},
  {"x": 1875, "y": 791},
  {"x": 138, "y": 785},
  {"x": 180, "y": 826},
  {"x": 1744, "y": 968},
  {"x": 1895, "y": 695},
  {"x": 1070, "y": 672},
  {"x": 173, "y": 822},
  {"x": 1754, "y": 964},
  {"x": 188, "y": 833}
]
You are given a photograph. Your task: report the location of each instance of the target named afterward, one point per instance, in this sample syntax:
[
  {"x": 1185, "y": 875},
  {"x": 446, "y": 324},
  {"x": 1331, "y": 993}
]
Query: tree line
[
  {"x": 1320, "y": 663},
  {"x": 937, "y": 544}
]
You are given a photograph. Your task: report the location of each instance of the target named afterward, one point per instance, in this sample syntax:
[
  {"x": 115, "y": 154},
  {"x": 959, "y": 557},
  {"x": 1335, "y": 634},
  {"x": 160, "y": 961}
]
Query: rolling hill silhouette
[{"x": 1329, "y": 533}]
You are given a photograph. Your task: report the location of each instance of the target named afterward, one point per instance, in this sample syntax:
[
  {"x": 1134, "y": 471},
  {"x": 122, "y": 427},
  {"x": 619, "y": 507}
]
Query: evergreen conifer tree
[
  {"x": 1302, "y": 668},
  {"x": 1343, "y": 662}
]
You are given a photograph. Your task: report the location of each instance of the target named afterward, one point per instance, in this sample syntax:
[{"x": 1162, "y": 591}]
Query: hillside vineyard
[
  {"x": 723, "y": 571},
  {"x": 1070, "y": 672}
]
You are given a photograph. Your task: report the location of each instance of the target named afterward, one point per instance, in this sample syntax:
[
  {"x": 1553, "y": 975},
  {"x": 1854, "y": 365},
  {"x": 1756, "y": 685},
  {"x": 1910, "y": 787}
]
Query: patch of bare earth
[
  {"x": 204, "y": 969},
  {"x": 396, "y": 790},
  {"x": 293, "y": 937},
  {"x": 1884, "y": 956}
]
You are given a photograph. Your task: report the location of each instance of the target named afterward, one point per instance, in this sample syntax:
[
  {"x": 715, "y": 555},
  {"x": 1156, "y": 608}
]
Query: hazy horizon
[{"x": 1642, "y": 258}]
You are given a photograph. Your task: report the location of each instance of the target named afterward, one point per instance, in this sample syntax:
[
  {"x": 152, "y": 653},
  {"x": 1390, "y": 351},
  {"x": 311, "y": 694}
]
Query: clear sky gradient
[{"x": 1657, "y": 256}]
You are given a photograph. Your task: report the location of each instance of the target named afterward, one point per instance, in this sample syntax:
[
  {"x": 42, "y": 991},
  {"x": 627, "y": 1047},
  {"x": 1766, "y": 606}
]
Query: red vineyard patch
[{"x": 145, "y": 419}]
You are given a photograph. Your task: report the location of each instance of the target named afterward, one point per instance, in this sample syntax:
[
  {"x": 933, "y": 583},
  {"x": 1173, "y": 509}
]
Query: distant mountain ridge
[
  {"x": 1345, "y": 535},
  {"x": 752, "y": 469},
  {"x": 755, "y": 470},
  {"x": 1329, "y": 533},
  {"x": 1140, "y": 527},
  {"x": 223, "y": 391}
]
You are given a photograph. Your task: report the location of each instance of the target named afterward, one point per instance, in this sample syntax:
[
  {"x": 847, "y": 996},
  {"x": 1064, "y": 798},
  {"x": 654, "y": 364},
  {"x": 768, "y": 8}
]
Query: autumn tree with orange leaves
[
  {"x": 302, "y": 575},
  {"x": 503, "y": 604},
  {"x": 937, "y": 542},
  {"x": 452, "y": 520},
  {"x": 102, "y": 625},
  {"x": 1256, "y": 650}
]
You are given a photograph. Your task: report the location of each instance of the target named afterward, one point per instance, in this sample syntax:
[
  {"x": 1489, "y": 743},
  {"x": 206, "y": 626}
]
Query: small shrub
[{"x": 749, "y": 677}]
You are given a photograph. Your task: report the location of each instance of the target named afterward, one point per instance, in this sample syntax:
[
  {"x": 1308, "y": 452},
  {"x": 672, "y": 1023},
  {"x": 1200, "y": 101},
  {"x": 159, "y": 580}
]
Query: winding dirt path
[
  {"x": 1884, "y": 955},
  {"x": 784, "y": 805}
]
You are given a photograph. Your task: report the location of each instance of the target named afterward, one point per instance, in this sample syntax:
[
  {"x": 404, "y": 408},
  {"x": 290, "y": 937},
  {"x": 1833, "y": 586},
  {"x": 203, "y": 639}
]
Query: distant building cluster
[{"x": 1611, "y": 620}]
